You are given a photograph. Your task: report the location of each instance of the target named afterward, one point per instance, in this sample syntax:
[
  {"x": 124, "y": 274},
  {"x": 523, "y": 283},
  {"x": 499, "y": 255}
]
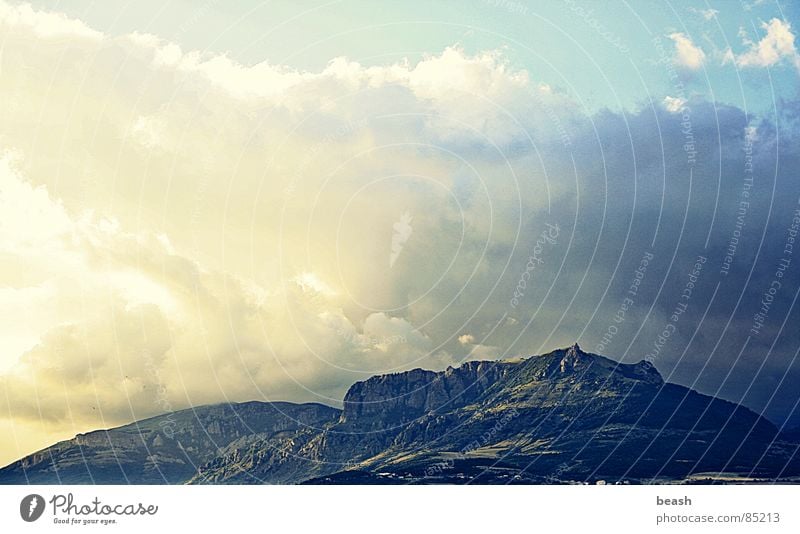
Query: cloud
[
  {"x": 707, "y": 14},
  {"x": 455, "y": 94},
  {"x": 132, "y": 329},
  {"x": 216, "y": 231},
  {"x": 149, "y": 132},
  {"x": 775, "y": 47},
  {"x": 754, "y": 3},
  {"x": 674, "y": 104},
  {"x": 466, "y": 339},
  {"x": 122, "y": 305},
  {"x": 687, "y": 54},
  {"x": 44, "y": 24}
]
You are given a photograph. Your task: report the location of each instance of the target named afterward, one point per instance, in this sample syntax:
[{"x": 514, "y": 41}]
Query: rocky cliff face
[
  {"x": 563, "y": 416},
  {"x": 402, "y": 397}
]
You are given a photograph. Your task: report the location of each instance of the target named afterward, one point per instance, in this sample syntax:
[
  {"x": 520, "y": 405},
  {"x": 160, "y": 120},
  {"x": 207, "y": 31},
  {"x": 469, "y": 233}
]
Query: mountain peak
[{"x": 573, "y": 358}]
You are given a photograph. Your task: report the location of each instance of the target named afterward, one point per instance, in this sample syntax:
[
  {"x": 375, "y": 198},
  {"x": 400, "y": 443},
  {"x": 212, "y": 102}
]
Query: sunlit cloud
[
  {"x": 773, "y": 48},
  {"x": 687, "y": 54}
]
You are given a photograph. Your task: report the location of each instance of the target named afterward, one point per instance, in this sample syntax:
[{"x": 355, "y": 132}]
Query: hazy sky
[{"x": 201, "y": 202}]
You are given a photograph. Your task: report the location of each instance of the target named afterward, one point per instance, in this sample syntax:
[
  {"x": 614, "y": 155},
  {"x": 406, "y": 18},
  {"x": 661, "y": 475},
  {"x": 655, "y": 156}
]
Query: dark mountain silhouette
[{"x": 567, "y": 416}]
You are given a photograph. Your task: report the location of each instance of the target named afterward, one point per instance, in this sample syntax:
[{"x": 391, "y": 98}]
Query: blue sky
[{"x": 600, "y": 52}]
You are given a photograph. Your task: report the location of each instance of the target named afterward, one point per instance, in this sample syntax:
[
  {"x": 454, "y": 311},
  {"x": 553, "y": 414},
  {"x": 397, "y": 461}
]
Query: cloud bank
[{"x": 180, "y": 229}]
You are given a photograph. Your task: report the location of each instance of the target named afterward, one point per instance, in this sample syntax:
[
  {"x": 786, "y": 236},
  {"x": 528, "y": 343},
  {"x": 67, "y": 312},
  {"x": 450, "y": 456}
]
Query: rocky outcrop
[{"x": 403, "y": 397}]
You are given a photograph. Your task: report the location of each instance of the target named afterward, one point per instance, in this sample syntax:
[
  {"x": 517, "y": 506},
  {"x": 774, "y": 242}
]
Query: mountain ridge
[{"x": 563, "y": 416}]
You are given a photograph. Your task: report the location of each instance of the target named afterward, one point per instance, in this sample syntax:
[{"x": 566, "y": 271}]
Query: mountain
[
  {"x": 566, "y": 416},
  {"x": 167, "y": 449}
]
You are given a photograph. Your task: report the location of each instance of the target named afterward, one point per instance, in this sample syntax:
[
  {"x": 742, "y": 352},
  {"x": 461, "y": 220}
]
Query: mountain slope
[{"x": 163, "y": 449}]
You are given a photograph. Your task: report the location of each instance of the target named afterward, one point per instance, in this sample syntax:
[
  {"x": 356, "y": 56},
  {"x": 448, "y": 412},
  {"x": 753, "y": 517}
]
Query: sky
[{"x": 205, "y": 202}]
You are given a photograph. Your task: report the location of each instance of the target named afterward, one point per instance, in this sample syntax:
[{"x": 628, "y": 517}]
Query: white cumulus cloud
[
  {"x": 687, "y": 54},
  {"x": 773, "y": 48},
  {"x": 44, "y": 24}
]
